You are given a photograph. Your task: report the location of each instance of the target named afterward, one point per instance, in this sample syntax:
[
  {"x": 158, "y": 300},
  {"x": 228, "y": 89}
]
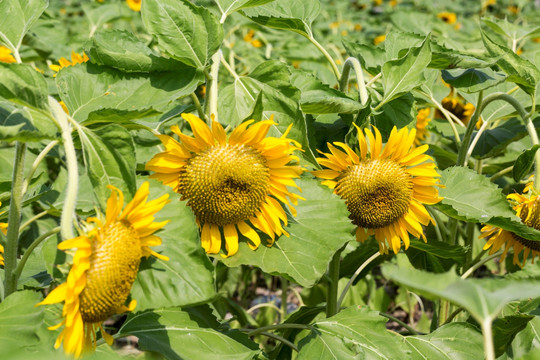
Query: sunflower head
[
  {"x": 104, "y": 267},
  {"x": 447, "y": 17},
  {"x": 134, "y": 5},
  {"x": 456, "y": 104},
  {"x": 384, "y": 187},
  {"x": 232, "y": 183}
]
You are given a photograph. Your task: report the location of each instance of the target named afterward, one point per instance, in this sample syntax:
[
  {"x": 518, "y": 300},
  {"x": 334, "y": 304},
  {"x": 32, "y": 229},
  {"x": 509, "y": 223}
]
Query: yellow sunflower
[
  {"x": 3, "y": 229},
  {"x": 134, "y": 5},
  {"x": 75, "y": 59},
  {"x": 422, "y": 121},
  {"x": 5, "y": 55},
  {"x": 384, "y": 187},
  {"x": 527, "y": 207},
  {"x": 104, "y": 268},
  {"x": 230, "y": 181},
  {"x": 456, "y": 104}
]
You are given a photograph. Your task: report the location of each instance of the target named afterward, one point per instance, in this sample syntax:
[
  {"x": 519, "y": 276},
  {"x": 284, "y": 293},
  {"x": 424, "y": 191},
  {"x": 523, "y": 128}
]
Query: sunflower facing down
[
  {"x": 104, "y": 268},
  {"x": 384, "y": 187},
  {"x": 233, "y": 184},
  {"x": 527, "y": 207}
]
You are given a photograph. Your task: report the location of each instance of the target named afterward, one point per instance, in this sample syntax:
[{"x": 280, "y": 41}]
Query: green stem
[
  {"x": 70, "y": 201},
  {"x": 472, "y": 269},
  {"x": 32, "y": 219},
  {"x": 200, "y": 110},
  {"x": 453, "y": 315},
  {"x": 355, "y": 275},
  {"x": 462, "y": 152},
  {"x": 18, "y": 271},
  {"x": 489, "y": 350},
  {"x": 327, "y": 56},
  {"x": 373, "y": 79},
  {"x": 280, "y": 338},
  {"x": 14, "y": 218},
  {"x": 268, "y": 305},
  {"x": 501, "y": 173},
  {"x": 344, "y": 81},
  {"x": 276, "y": 327},
  {"x": 212, "y": 89},
  {"x": 284, "y": 287},
  {"x": 38, "y": 161},
  {"x": 333, "y": 277},
  {"x": 406, "y": 326}
]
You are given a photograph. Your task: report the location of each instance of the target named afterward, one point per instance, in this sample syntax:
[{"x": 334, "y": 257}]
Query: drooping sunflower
[
  {"x": 385, "y": 187},
  {"x": 527, "y": 207},
  {"x": 233, "y": 184},
  {"x": 104, "y": 268},
  {"x": 422, "y": 121}
]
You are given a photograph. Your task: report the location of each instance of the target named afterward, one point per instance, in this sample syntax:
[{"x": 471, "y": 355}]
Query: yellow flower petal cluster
[
  {"x": 3, "y": 229},
  {"x": 527, "y": 207},
  {"x": 5, "y": 55},
  {"x": 379, "y": 39},
  {"x": 456, "y": 104},
  {"x": 422, "y": 121},
  {"x": 234, "y": 184},
  {"x": 249, "y": 37},
  {"x": 134, "y": 5},
  {"x": 385, "y": 187},
  {"x": 75, "y": 59},
  {"x": 104, "y": 268}
]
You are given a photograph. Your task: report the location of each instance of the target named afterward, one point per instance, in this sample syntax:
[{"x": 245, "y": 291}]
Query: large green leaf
[
  {"x": 527, "y": 340},
  {"x": 371, "y": 57},
  {"x": 227, "y": 7},
  {"x": 354, "y": 333},
  {"x": 320, "y": 229},
  {"x": 20, "y": 319},
  {"x": 482, "y": 298},
  {"x": 319, "y": 98},
  {"x": 519, "y": 70},
  {"x": 271, "y": 80},
  {"x": 109, "y": 160},
  {"x": 505, "y": 330},
  {"x": 20, "y": 123},
  {"x": 188, "y": 33},
  {"x": 435, "y": 256},
  {"x": 17, "y": 17},
  {"x": 524, "y": 163},
  {"x": 454, "y": 341},
  {"x": 23, "y": 85},
  {"x": 472, "y": 80},
  {"x": 404, "y": 74},
  {"x": 399, "y": 112},
  {"x": 178, "y": 334},
  {"x": 187, "y": 278},
  {"x": 122, "y": 50},
  {"x": 472, "y": 197},
  {"x": 293, "y": 15},
  {"x": 98, "y": 92}
]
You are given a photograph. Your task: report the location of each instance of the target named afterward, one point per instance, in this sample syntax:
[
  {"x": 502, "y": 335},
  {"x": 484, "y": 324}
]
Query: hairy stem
[
  {"x": 212, "y": 89},
  {"x": 352, "y": 62},
  {"x": 489, "y": 350},
  {"x": 327, "y": 56},
  {"x": 333, "y": 277}
]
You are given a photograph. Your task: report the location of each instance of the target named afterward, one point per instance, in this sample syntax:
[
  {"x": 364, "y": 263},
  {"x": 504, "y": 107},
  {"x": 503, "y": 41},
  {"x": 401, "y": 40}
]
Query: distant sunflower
[
  {"x": 385, "y": 187},
  {"x": 3, "y": 229},
  {"x": 134, "y": 5},
  {"x": 75, "y": 59},
  {"x": 5, "y": 55},
  {"x": 230, "y": 181},
  {"x": 456, "y": 104},
  {"x": 527, "y": 207},
  {"x": 104, "y": 268},
  {"x": 422, "y": 121}
]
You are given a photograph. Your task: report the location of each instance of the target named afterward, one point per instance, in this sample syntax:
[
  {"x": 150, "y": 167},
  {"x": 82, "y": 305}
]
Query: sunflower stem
[
  {"x": 405, "y": 325},
  {"x": 284, "y": 287},
  {"x": 344, "y": 81},
  {"x": 333, "y": 277},
  {"x": 462, "y": 152},
  {"x": 212, "y": 94},
  {"x": 275, "y": 327},
  {"x": 489, "y": 350},
  {"x": 18, "y": 271},
  {"x": 481, "y": 262},
  {"x": 68, "y": 211},
  {"x": 280, "y": 338},
  {"x": 14, "y": 218},
  {"x": 327, "y": 56},
  {"x": 200, "y": 110},
  {"x": 355, "y": 275},
  {"x": 36, "y": 163}
]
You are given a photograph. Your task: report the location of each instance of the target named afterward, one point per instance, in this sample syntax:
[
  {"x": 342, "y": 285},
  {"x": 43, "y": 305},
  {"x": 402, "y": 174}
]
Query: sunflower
[
  {"x": 3, "y": 229},
  {"x": 104, "y": 268},
  {"x": 134, "y": 5},
  {"x": 230, "y": 181},
  {"x": 456, "y": 104},
  {"x": 447, "y": 17},
  {"x": 527, "y": 207},
  {"x": 75, "y": 59},
  {"x": 5, "y": 55},
  {"x": 384, "y": 187},
  {"x": 422, "y": 121}
]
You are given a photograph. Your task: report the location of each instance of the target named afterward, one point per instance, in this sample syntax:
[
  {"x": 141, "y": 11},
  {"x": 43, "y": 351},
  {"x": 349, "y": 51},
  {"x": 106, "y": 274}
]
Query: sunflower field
[{"x": 269, "y": 179}]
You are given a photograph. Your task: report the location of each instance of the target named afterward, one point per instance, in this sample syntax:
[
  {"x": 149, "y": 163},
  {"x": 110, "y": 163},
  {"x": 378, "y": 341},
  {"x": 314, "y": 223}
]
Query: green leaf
[
  {"x": 109, "y": 160},
  {"x": 23, "y": 85},
  {"x": 104, "y": 13},
  {"x": 527, "y": 340},
  {"x": 179, "y": 334},
  {"x": 524, "y": 163},
  {"x": 472, "y": 80},
  {"x": 272, "y": 81},
  {"x": 293, "y": 15},
  {"x": 454, "y": 341},
  {"x": 17, "y": 17},
  {"x": 471, "y": 197},
  {"x": 514, "y": 32},
  {"x": 187, "y": 278},
  {"x": 122, "y": 50},
  {"x": 186, "y": 32},
  {"x": 399, "y": 112},
  {"x": 20, "y": 319},
  {"x": 91, "y": 91},
  {"x": 320, "y": 229},
  {"x": 319, "y": 98},
  {"x": 482, "y": 298},
  {"x": 404, "y": 74},
  {"x": 354, "y": 333},
  {"x": 435, "y": 256},
  {"x": 520, "y": 71},
  {"x": 227, "y": 7},
  {"x": 371, "y": 58},
  {"x": 505, "y": 330},
  {"x": 20, "y": 123}
]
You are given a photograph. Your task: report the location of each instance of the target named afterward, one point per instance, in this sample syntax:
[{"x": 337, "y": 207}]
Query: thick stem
[
  {"x": 333, "y": 277},
  {"x": 327, "y": 56},
  {"x": 14, "y": 218},
  {"x": 212, "y": 89},
  {"x": 489, "y": 350},
  {"x": 198, "y": 106},
  {"x": 355, "y": 275},
  {"x": 344, "y": 81},
  {"x": 462, "y": 152},
  {"x": 70, "y": 201}
]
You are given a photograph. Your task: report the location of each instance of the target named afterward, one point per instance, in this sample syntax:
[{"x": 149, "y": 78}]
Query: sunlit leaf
[{"x": 17, "y": 17}]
